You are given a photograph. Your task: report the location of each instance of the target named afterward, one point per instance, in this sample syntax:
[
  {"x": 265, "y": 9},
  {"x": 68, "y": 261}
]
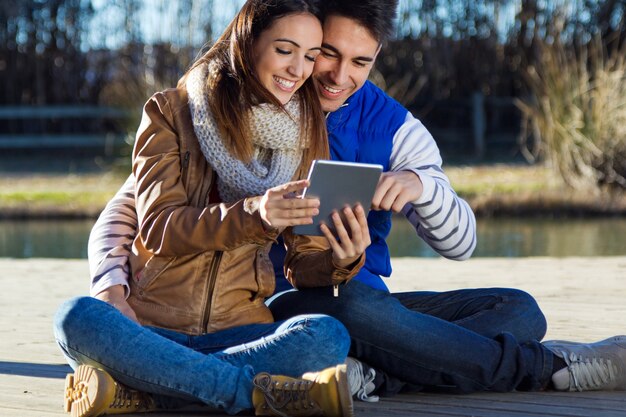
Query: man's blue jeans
[
  {"x": 214, "y": 369},
  {"x": 462, "y": 341}
]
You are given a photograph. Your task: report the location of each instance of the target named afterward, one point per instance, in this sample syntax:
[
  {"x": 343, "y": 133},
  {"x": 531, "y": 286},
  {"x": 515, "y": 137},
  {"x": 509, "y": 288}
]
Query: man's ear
[{"x": 380, "y": 45}]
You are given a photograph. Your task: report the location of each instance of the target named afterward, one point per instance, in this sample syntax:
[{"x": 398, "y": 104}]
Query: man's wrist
[{"x": 427, "y": 184}]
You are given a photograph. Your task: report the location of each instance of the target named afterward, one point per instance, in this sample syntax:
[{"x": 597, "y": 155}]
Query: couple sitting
[{"x": 181, "y": 264}]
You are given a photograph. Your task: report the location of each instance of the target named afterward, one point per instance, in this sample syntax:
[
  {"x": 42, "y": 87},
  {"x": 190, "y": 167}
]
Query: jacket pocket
[
  {"x": 264, "y": 271},
  {"x": 154, "y": 267}
]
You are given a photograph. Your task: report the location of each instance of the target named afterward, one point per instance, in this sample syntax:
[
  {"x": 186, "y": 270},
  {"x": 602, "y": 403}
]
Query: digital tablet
[{"x": 337, "y": 185}]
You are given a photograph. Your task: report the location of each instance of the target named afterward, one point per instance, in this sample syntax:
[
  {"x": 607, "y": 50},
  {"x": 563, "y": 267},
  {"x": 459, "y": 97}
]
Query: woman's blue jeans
[
  {"x": 463, "y": 341},
  {"x": 214, "y": 369}
]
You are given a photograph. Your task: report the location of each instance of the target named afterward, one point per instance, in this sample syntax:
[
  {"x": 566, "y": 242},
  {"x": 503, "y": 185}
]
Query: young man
[{"x": 465, "y": 340}]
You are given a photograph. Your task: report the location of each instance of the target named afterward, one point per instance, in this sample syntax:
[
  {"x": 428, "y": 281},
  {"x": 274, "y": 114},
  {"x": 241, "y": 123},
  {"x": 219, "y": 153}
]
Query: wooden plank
[
  {"x": 39, "y": 370},
  {"x": 510, "y": 403},
  {"x": 616, "y": 397},
  {"x": 440, "y": 404},
  {"x": 610, "y": 398},
  {"x": 13, "y": 141},
  {"x": 41, "y": 396},
  {"x": 60, "y": 111},
  {"x": 577, "y": 306}
]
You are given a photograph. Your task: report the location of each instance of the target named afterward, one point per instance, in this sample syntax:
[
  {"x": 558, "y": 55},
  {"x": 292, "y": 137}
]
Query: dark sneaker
[
  {"x": 324, "y": 393},
  {"x": 590, "y": 366},
  {"x": 91, "y": 392},
  {"x": 361, "y": 380}
]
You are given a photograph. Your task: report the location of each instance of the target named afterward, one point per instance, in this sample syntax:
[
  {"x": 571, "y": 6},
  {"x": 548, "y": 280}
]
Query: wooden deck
[{"x": 583, "y": 299}]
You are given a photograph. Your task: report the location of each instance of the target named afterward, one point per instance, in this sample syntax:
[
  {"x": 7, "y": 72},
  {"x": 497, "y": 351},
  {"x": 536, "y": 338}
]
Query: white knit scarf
[{"x": 275, "y": 137}]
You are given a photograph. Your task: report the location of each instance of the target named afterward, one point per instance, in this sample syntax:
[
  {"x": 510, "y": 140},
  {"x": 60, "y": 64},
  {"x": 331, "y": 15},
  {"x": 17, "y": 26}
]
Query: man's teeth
[
  {"x": 285, "y": 83},
  {"x": 330, "y": 90}
]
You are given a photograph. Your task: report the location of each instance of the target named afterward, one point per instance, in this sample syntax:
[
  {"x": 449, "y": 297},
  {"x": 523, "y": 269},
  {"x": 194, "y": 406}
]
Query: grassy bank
[
  {"x": 491, "y": 190},
  {"x": 499, "y": 190},
  {"x": 56, "y": 196}
]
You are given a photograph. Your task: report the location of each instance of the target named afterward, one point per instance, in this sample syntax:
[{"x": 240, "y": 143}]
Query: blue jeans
[
  {"x": 214, "y": 369},
  {"x": 461, "y": 341}
]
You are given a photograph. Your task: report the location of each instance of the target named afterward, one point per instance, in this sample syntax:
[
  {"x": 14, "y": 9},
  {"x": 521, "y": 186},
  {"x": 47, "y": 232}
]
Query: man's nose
[{"x": 339, "y": 73}]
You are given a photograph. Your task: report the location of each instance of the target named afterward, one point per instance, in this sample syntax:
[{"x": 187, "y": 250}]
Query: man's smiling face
[{"x": 348, "y": 54}]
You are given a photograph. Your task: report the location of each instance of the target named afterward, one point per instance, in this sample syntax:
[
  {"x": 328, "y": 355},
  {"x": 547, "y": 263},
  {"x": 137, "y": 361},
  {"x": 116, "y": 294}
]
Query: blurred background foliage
[{"x": 559, "y": 63}]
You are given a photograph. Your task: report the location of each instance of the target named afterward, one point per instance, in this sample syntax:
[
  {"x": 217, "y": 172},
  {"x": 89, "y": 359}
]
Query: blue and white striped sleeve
[
  {"x": 441, "y": 218},
  {"x": 111, "y": 239}
]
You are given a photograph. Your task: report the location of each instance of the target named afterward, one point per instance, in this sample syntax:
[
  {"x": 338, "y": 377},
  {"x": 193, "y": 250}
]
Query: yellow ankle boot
[
  {"x": 91, "y": 392},
  {"x": 324, "y": 393}
]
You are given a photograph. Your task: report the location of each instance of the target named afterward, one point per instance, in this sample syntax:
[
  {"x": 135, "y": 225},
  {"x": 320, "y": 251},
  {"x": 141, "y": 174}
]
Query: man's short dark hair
[{"x": 377, "y": 16}]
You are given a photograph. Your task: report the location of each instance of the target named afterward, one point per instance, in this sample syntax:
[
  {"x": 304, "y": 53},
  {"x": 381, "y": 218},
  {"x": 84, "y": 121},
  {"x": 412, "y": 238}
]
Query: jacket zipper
[
  {"x": 215, "y": 264},
  {"x": 213, "y": 270},
  {"x": 185, "y": 166},
  {"x": 327, "y": 115}
]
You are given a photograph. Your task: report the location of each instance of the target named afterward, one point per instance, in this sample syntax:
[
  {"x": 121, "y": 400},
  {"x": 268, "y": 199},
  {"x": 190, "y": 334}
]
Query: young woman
[{"x": 213, "y": 164}]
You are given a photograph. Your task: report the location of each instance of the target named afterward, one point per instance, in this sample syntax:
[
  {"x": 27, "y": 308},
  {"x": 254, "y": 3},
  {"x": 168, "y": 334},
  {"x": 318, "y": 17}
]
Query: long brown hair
[{"x": 236, "y": 86}]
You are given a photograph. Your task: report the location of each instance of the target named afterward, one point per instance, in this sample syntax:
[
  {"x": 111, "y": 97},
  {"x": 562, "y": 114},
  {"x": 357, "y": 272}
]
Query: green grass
[
  {"x": 51, "y": 197},
  {"x": 478, "y": 189},
  {"x": 500, "y": 179},
  {"x": 490, "y": 189},
  {"x": 65, "y": 195}
]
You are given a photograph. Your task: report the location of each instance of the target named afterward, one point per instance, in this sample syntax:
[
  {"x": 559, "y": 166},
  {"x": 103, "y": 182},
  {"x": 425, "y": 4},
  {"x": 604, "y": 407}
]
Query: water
[
  {"x": 496, "y": 238},
  {"x": 44, "y": 239},
  {"x": 522, "y": 237}
]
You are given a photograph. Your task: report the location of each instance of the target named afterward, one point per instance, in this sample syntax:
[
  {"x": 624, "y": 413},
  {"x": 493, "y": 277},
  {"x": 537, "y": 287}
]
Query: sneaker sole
[
  {"x": 86, "y": 391},
  {"x": 620, "y": 340},
  {"x": 345, "y": 398},
  {"x": 553, "y": 345}
]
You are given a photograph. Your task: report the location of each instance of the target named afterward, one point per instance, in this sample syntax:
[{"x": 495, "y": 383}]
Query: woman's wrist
[{"x": 112, "y": 294}]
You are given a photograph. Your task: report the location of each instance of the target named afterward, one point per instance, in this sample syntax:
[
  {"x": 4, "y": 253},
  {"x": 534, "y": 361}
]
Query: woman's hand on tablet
[{"x": 282, "y": 206}]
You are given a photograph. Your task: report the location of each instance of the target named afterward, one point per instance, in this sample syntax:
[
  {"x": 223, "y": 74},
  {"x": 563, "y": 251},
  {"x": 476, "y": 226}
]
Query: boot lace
[
  {"x": 293, "y": 394},
  {"x": 130, "y": 399},
  {"x": 361, "y": 382},
  {"x": 589, "y": 373}
]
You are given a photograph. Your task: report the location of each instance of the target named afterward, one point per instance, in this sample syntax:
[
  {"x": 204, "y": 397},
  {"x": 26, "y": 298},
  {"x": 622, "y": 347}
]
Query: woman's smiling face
[{"x": 284, "y": 54}]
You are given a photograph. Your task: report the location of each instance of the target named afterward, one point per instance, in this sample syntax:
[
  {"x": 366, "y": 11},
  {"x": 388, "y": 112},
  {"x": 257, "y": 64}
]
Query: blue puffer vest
[{"x": 362, "y": 130}]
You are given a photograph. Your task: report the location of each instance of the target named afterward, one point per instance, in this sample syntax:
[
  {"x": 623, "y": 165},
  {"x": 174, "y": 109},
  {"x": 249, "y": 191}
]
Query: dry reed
[{"x": 576, "y": 118}]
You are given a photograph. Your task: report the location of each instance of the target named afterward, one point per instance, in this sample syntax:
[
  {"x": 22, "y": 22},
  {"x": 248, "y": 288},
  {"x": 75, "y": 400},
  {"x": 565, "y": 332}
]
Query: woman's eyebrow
[{"x": 286, "y": 40}]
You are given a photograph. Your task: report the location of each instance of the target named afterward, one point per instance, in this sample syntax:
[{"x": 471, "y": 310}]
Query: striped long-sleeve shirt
[
  {"x": 443, "y": 219},
  {"x": 111, "y": 239}
]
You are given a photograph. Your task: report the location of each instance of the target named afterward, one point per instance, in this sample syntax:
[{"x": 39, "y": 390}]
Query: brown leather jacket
[{"x": 199, "y": 265}]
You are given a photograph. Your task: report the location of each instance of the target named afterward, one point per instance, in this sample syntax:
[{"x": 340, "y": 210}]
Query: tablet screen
[{"x": 338, "y": 184}]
